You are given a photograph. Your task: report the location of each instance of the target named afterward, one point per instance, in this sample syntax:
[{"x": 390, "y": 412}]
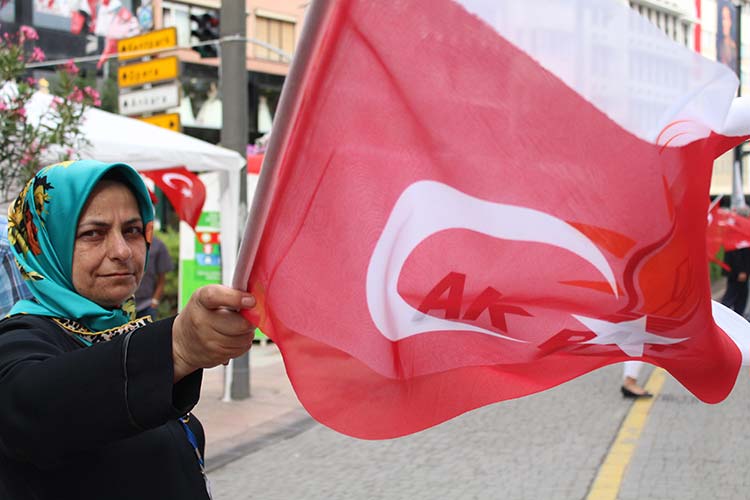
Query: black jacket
[
  {"x": 97, "y": 422},
  {"x": 738, "y": 262}
]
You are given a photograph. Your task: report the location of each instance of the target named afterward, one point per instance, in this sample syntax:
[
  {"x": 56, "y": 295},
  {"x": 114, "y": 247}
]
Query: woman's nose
[{"x": 118, "y": 247}]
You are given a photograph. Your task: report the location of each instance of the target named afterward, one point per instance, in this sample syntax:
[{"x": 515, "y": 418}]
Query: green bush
[
  {"x": 714, "y": 270},
  {"x": 168, "y": 305}
]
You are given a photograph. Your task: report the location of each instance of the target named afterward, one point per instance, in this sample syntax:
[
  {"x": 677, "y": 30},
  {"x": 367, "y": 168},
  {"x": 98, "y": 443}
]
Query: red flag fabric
[
  {"x": 254, "y": 163},
  {"x": 452, "y": 223},
  {"x": 727, "y": 229},
  {"x": 184, "y": 190}
]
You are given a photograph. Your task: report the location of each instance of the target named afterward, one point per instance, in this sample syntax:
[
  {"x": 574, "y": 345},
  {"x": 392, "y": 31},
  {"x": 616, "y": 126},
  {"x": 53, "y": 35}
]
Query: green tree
[{"x": 168, "y": 305}]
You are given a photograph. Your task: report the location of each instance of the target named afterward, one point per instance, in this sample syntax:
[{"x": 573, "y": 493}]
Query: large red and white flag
[{"x": 469, "y": 201}]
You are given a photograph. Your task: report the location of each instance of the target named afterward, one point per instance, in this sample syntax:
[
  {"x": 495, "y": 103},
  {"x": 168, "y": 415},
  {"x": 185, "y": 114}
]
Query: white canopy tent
[{"x": 115, "y": 138}]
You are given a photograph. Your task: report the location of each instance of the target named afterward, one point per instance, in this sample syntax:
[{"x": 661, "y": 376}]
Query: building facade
[
  {"x": 274, "y": 23},
  {"x": 79, "y": 28},
  {"x": 719, "y": 30}
]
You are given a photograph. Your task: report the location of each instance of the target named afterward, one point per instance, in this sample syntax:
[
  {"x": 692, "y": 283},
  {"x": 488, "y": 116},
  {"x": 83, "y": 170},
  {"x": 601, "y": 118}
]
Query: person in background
[
  {"x": 630, "y": 387},
  {"x": 12, "y": 287},
  {"x": 735, "y": 295},
  {"x": 96, "y": 403},
  {"x": 149, "y": 294}
]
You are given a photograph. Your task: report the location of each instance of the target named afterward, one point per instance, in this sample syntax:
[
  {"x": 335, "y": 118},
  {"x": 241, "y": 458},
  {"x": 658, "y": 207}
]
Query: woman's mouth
[{"x": 117, "y": 275}]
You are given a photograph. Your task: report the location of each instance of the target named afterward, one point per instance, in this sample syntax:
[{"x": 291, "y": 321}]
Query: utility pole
[
  {"x": 738, "y": 195},
  {"x": 234, "y": 133}
]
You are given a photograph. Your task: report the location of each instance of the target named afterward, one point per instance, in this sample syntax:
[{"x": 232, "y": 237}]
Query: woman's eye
[
  {"x": 90, "y": 234},
  {"x": 134, "y": 230}
]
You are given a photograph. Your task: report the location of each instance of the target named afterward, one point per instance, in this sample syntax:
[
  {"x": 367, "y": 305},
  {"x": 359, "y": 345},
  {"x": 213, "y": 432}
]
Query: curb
[{"x": 284, "y": 427}]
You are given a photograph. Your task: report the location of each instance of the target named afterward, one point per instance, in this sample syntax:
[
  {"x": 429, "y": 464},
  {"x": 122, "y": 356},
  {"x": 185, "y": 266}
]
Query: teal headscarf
[{"x": 42, "y": 226}]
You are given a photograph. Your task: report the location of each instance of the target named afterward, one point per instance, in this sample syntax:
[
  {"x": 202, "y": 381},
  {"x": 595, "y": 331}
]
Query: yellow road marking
[{"x": 606, "y": 486}]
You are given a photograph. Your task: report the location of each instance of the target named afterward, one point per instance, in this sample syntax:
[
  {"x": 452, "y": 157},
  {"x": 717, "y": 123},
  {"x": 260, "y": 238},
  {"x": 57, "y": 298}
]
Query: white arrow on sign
[{"x": 147, "y": 100}]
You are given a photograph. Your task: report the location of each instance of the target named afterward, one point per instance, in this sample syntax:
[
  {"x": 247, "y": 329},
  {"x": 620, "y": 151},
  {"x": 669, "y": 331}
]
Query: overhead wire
[{"x": 144, "y": 53}]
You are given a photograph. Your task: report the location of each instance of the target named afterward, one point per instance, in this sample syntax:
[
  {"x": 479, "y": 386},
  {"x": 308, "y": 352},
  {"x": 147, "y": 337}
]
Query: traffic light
[{"x": 206, "y": 28}]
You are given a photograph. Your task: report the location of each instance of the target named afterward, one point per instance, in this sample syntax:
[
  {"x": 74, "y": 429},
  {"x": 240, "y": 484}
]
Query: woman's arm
[{"x": 58, "y": 398}]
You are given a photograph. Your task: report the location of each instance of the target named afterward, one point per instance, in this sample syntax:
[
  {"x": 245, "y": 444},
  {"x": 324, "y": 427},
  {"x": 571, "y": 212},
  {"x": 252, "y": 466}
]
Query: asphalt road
[{"x": 547, "y": 446}]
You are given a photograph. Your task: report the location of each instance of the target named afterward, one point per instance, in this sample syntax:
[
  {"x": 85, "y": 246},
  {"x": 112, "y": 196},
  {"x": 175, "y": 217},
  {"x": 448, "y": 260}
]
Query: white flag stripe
[
  {"x": 736, "y": 327},
  {"x": 426, "y": 208},
  {"x": 623, "y": 64}
]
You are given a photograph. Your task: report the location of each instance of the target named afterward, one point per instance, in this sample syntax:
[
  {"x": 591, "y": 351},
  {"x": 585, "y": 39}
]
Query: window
[
  {"x": 178, "y": 15},
  {"x": 8, "y": 12},
  {"x": 276, "y": 31},
  {"x": 676, "y": 26}
]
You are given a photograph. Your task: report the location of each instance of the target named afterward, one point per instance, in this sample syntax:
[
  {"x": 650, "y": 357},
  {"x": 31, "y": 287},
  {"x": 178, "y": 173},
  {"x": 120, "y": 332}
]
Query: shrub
[{"x": 168, "y": 305}]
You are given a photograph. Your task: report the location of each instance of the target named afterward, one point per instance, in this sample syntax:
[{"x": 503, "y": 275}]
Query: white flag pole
[{"x": 290, "y": 100}]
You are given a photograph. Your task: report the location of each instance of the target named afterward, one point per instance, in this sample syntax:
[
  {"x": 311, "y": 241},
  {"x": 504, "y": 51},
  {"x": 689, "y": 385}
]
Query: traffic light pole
[{"x": 233, "y": 87}]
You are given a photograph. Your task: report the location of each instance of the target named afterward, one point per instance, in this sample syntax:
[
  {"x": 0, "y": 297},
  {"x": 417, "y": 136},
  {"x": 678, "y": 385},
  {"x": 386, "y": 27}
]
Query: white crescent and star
[
  {"x": 428, "y": 207},
  {"x": 170, "y": 177},
  {"x": 629, "y": 336}
]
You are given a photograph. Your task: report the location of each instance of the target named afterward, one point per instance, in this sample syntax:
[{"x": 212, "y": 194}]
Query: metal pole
[
  {"x": 738, "y": 195},
  {"x": 233, "y": 87}
]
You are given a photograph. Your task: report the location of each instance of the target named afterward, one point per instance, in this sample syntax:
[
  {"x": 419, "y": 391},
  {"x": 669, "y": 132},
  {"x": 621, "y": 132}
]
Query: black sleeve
[
  {"x": 57, "y": 398},
  {"x": 152, "y": 397},
  {"x": 731, "y": 260}
]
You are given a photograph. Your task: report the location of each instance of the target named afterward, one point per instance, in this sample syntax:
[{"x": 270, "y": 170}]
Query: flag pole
[
  {"x": 290, "y": 100},
  {"x": 715, "y": 202},
  {"x": 233, "y": 88}
]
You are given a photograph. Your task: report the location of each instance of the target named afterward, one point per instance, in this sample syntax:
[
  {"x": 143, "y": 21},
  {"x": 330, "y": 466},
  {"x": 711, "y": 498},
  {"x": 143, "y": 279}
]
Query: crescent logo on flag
[
  {"x": 184, "y": 190},
  {"x": 428, "y": 207},
  {"x": 170, "y": 178}
]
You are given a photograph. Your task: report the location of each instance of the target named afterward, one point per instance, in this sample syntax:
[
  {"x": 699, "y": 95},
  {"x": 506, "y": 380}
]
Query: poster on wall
[
  {"x": 200, "y": 249},
  {"x": 726, "y": 35}
]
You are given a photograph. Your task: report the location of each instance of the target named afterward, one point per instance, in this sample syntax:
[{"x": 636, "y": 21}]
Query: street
[{"x": 549, "y": 445}]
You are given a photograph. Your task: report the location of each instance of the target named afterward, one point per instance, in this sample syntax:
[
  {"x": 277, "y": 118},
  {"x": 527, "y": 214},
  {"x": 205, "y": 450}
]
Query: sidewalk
[{"x": 237, "y": 428}]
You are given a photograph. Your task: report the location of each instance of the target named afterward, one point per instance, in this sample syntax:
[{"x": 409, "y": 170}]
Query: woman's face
[{"x": 110, "y": 248}]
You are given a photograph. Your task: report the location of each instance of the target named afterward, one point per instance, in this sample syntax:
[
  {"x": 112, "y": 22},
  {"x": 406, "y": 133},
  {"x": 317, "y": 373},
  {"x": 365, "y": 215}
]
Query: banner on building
[{"x": 726, "y": 35}]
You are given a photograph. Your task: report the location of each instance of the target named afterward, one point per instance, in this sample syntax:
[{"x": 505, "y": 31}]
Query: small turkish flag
[{"x": 184, "y": 190}]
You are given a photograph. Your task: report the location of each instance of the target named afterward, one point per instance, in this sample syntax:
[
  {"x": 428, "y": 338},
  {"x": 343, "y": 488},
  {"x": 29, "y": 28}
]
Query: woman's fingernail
[{"x": 248, "y": 302}]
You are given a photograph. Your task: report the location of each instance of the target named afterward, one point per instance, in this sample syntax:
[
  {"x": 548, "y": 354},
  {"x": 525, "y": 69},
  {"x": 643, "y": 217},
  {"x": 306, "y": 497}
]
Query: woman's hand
[{"x": 210, "y": 330}]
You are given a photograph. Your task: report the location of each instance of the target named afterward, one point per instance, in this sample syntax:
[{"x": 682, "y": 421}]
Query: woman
[{"x": 91, "y": 400}]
